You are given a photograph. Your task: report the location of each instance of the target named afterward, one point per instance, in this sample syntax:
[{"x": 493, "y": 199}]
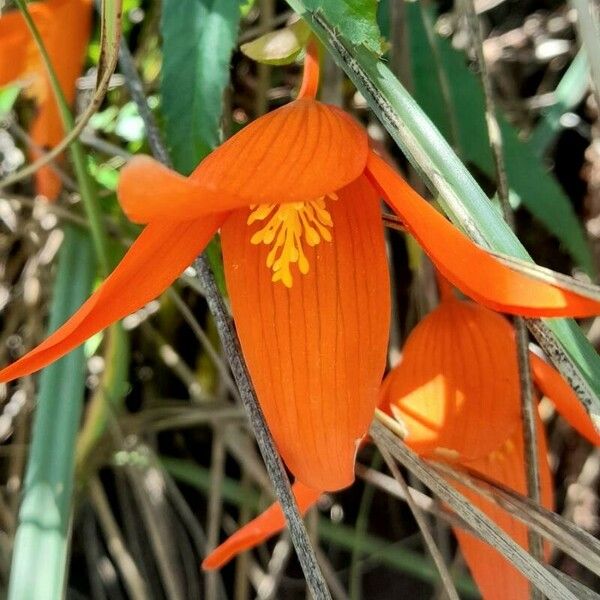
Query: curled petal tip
[{"x": 259, "y": 529}]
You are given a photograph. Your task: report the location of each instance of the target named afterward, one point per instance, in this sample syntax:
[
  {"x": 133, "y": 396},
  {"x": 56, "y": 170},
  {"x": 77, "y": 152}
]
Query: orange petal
[
  {"x": 15, "y": 47},
  {"x": 67, "y": 40},
  {"x": 47, "y": 180},
  {"x": 260, "y": 529},
  {"x": 316, "y": 352},
  {"x": 299, "y": 152},
  {"x": 64, "y": 25},
  {"x": 552, "y": 384},
  {"x": 458, "y": 376},
  {"x": 466, "y": 265},
  {"x": 154, "y": 260},
  {"x": 149, "y": 191},
  {"x": 495, "y": 577}
]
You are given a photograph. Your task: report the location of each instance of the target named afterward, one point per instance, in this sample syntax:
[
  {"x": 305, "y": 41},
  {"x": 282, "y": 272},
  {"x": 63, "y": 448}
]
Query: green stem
[{"x": 85, "y": 182}]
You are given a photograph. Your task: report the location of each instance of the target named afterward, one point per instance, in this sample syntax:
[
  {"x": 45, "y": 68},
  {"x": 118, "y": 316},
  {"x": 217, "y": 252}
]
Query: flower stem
[{"x": 310, "y": 76}]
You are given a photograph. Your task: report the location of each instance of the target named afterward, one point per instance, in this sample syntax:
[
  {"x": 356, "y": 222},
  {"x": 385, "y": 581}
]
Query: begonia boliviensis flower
[
  {"x": 296, "y": 196},
  {"x": 64, "y": 26}
]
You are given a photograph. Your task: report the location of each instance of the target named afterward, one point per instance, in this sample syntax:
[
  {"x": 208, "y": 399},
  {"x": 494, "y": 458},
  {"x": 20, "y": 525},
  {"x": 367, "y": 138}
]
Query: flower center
[{"x": 287, "y": 227}]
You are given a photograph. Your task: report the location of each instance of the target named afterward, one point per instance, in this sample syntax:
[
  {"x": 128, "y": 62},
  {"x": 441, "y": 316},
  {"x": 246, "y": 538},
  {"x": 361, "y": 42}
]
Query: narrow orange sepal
[
  {"x": 259, "y": 529},
  {"x": 552, "y": 384},
  {"x": 469, "y": 267},
  {"x": 161, "y": 252}
]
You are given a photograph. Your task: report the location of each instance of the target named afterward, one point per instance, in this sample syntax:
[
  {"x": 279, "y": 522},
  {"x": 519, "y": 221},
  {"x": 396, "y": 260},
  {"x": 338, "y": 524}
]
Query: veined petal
[
  {"x": 552, "y": 384},
  {"x": 495, "y": 577},
  {"x": 155, "y": 259},
  {"x": 298, "y": 152},
  {"x": 457, "y": 387},
  {"x": 469, "y": 267},
  {"x": 148, "y": 191},
  {"x": 316, "y": 351},
  {"x": 259, "y": 529}
]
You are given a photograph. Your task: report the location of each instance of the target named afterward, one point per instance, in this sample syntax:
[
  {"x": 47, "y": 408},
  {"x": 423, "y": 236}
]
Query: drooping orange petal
[
  {"x": 149, "y": 191},
  {"x": 316, "y": 352},
  {"x": 495, "y": 577},
  {"x": 457, "y": 387},
  {"x": 65, "y": 38},
  {"x": 299, "y": 152},
  {"x": 552, "y": 384},
  {"x": 161, "y": 252},
  {"x": 260, "y": 529},
  {"x": 16, "y": 48},
  {"x": 470, "y": 268}
]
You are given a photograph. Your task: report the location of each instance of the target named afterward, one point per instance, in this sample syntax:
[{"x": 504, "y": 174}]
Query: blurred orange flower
[
  {"x": 296, "y": 196},
  {"x": 65, "y": 28}
]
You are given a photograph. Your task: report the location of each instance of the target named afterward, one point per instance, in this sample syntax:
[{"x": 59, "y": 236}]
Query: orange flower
[
  {"x": 457, "y": 392},
  {"x": 296, "y": 195},
  {"x": 459, "y": 375},
  {"x": 65, "y": 28}
]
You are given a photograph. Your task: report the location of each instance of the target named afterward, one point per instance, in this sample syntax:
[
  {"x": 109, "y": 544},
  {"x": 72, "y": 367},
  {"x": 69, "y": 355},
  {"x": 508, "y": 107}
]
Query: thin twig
[
  {"x": 135, "y": 585},
  {"x": 528, "y": 404},
  {"x": 215, "y": 506},
  {"x": 229, "y": 340}
]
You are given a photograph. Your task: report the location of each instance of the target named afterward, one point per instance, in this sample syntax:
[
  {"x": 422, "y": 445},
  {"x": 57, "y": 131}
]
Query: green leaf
[
  {"x": 280, "y": 47},
  {"x": 198, "y": 39},
  {"x": 8, "y": 97},
  {"x": 569, "y": 92},
  {"x": 356, "y": 20},
  {"x": 41, "y": 543},
  {"x": 529, "y": 179}
]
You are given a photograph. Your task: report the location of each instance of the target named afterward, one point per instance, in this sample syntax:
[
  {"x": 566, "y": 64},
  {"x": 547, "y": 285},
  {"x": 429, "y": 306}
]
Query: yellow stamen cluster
[{"x": 287, "y": 227}]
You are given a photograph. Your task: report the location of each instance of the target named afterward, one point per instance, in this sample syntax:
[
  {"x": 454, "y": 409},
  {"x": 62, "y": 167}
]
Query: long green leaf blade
[
  {"x": 41, "y": 543},
  {"x": 198, "y": 39}
]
